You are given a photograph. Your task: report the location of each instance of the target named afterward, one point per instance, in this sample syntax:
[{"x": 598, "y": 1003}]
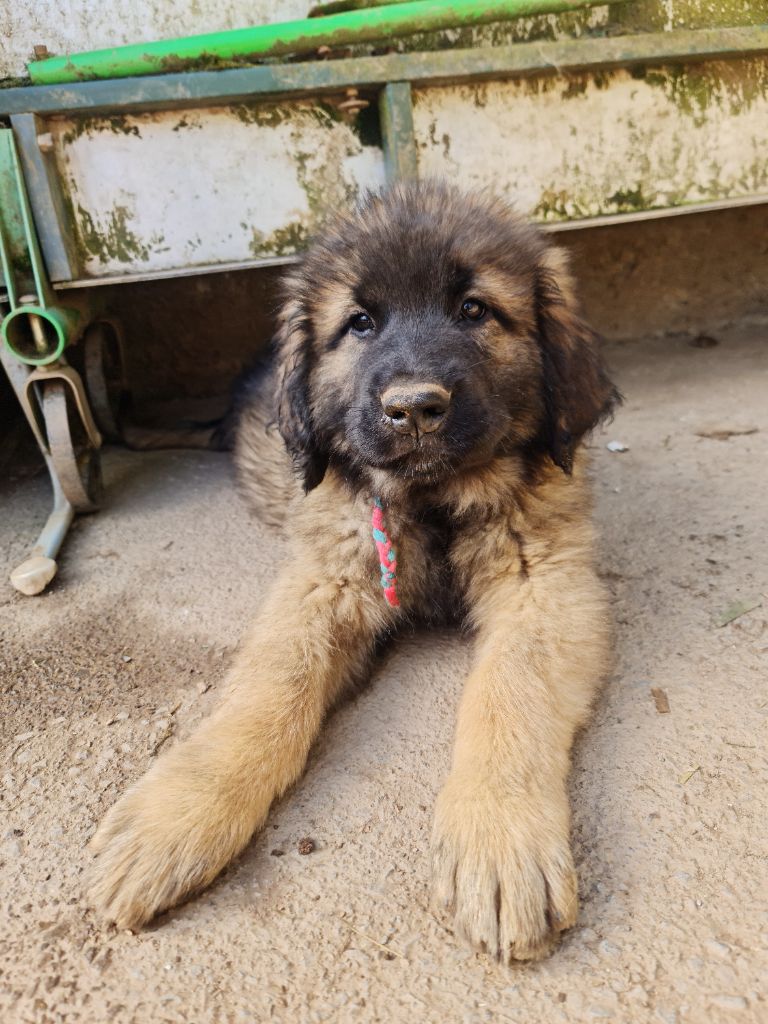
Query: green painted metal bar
[
  {"x": 6, "y": 271},
  {"x": 209, "y": 88},
  {"x": 44, "y": 187},
  {"x": 15, "y": 272},
  {"x": 396, "y": 112},
  {"x": 34, "y": 330},
  {"x": 33, "y": 264},
  {"x": 248, "y": 44}
]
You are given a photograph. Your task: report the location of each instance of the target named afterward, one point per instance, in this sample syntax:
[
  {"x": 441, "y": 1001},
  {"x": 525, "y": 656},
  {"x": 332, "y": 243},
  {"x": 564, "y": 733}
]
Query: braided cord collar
[{"x": 387, "y": 559}]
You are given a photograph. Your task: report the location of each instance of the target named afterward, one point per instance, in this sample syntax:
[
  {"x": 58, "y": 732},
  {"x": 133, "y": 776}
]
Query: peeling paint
[
  {"x": 728, "y": 86},
  {"x": 159, "y": 191},
  {"x": 114, "y": 240},
  {"x": 118, "y": 124},
  {"x": 582, "y": 146}
]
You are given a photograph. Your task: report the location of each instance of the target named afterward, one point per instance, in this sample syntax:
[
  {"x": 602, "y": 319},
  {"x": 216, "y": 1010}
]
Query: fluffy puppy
[{"x": 432, "y": 370}]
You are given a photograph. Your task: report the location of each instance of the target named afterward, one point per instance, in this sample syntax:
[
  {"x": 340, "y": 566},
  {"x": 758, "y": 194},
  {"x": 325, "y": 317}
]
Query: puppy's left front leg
[{"x": 501, "y": 845}]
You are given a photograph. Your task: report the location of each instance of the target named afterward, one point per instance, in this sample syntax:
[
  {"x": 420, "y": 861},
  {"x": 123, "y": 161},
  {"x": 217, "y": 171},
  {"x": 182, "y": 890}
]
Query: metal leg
[
  {"x": 56, "y": 408},
  {"x": 73, "y": 450},
  {"x": 36, "y": 572}
]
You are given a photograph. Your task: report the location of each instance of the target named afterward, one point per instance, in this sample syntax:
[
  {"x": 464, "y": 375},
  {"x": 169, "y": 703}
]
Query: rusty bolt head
[{"x": 352, "y": 105}]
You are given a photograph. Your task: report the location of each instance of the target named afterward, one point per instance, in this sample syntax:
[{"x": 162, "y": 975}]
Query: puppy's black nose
[{"x": 416, "y": 408}]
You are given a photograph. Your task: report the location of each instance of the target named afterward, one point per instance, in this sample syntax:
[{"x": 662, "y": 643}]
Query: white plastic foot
[{"x": 34, "y": 575}]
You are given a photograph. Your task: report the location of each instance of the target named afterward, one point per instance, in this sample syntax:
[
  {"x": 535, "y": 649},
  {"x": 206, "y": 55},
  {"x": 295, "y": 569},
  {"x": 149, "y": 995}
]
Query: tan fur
[
  {"x": 501, "y": 847},
  {"x": 521, "y": 555}
]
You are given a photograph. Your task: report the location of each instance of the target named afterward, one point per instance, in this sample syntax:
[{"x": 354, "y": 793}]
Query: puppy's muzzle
[{"x": 416, "y": 409}]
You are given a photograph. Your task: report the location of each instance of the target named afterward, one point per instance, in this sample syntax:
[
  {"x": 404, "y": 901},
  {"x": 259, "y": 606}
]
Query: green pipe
[
  {"x": 38, "y": 335},
  {"x": 248, "y": 44}
]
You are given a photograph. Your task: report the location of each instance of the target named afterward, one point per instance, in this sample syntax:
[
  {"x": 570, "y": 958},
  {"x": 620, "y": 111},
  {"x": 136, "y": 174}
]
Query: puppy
[{"x": 433, "y": 382}]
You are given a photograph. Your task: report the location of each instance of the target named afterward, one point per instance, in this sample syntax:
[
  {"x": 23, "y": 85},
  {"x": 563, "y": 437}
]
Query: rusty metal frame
[{"x": 392, "y": 76}]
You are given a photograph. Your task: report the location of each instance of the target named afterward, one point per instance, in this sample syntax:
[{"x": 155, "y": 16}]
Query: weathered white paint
[
  {"x": 587, "y": 146},
  {"x": 173, "y": 190}
]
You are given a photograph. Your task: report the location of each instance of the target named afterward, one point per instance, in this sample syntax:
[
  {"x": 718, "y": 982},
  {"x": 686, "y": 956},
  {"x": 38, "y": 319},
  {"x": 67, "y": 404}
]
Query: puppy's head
[{"x": 428, "y": 332}]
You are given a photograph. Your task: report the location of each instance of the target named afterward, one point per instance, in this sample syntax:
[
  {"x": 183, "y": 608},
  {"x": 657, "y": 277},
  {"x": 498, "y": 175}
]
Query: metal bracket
[
  {"x": 73, "y": 380},
  {"x": 51, "y": 393},
  {"x": 396, "y": 112}
]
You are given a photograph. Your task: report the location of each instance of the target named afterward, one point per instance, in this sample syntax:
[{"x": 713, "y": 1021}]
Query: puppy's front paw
[
  {"x": 170, "y": 835},
  {"x": 505, "y": 869}
]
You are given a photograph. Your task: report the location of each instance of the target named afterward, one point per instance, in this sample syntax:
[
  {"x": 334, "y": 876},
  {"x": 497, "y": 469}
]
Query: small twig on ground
[{"x": 381, "y": 945}]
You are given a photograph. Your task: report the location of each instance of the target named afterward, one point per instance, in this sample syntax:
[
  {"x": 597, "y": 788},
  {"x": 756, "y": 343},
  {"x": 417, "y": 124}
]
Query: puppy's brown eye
[
  {"x": 472, "y": 309},
  {"x": 361, "y": 323}
]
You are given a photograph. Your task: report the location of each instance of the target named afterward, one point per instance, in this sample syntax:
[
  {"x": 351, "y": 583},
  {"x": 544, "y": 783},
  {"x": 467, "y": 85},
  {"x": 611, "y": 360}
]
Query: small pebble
[
  {"x": 278, "y": 853},
  {"x": 717, "y": 948},
  {"x": 24, "y": 736},
  {"x": 127, "y": 658},
  {"x": 306, "y": 846},
  {"x": 617, "y": 446}
]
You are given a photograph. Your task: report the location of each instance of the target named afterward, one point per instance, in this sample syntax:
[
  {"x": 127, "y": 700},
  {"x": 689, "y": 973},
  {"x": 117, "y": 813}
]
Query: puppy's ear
[
  {"x": 293, "y": 342},
  {"x": 577, "y": 391}
]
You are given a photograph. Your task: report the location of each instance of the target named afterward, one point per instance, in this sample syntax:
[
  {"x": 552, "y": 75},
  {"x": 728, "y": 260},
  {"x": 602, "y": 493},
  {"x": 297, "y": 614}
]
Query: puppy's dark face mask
[
  {"x": 428, "y": 334},
  {"x": 425, "y": 373}
]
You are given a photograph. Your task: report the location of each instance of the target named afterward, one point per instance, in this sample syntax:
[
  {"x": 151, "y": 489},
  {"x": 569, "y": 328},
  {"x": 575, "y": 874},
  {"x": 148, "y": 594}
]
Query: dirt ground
[{"x": 129, "y": 648}]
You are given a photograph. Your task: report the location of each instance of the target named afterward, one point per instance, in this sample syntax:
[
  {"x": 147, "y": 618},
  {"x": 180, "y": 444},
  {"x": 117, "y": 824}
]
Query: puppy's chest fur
[{"x": 443, "y": 602}]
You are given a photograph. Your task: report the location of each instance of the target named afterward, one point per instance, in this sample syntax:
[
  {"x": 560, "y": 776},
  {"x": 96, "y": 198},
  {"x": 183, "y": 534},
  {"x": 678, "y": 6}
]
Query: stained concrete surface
[{"x": 129, "y": 648}]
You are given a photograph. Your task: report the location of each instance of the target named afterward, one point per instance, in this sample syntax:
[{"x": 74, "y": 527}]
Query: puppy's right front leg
[{"x": 196, "y": 809}]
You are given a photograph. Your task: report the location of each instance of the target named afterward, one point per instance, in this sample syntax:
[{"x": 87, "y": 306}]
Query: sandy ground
[{"x": 130, "y": 646}]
